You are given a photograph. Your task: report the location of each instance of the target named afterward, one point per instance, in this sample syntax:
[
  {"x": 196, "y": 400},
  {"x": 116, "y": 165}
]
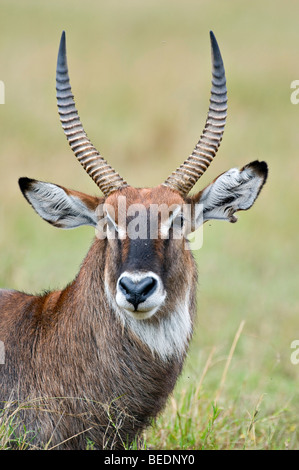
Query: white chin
[{"x": 141, "y": 315}]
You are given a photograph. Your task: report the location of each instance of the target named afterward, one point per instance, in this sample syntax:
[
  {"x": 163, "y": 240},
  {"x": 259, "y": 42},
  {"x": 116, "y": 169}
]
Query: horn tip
[
  {"x": 217, "y": 59},
  {"x": 62, "y": 50},
  {"x": 62, "y": 40},
  {"x": 61, "y": 58},
  {"x": 213, "y": 39}
]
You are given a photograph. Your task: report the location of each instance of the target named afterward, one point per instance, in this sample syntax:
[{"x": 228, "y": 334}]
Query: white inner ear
[
  {"x": 54, "y": 205},
  {"x": 233, "y": 191}
]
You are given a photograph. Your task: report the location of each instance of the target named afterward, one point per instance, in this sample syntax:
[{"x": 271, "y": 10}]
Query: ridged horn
[
  {"x": 184, "y": 178},
  {"x": 107, "y": 179}
]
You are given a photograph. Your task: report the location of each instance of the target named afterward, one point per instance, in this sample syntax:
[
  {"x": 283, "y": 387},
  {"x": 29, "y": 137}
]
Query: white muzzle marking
[{"x": 140, "y": 294}]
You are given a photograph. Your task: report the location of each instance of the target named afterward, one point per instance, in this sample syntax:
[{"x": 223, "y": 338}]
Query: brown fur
[{"x": 68, "y": 355}]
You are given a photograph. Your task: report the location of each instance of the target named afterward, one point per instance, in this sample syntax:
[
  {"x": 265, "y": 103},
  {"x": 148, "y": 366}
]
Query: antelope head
[{"x": 146, "y": 275}]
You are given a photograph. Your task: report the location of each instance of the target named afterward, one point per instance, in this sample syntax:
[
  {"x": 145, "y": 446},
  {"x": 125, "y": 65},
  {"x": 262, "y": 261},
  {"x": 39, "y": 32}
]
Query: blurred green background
[{"x": 140, "y": 73}]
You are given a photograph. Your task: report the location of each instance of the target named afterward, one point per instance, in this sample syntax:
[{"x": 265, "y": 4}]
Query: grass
[
  {"x": 13, "y": 434},
  {"x": 141, "y": 74},
  {"x": 197, "y": 419},
  {"x": 194, "y": 419}
]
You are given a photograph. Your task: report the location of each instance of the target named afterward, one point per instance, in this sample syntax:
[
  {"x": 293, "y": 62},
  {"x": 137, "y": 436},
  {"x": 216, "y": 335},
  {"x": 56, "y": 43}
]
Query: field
[{"x": 140, "y": 72}]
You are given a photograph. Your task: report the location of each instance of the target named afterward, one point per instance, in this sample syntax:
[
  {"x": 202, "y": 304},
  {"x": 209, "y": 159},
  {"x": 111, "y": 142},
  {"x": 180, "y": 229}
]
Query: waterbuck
[{"x": 96, "y": 361}]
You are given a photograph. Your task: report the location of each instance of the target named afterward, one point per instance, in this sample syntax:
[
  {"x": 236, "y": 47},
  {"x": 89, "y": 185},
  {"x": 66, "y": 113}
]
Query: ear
[
  {"x": 232, "y": 191},
  {"x": 59, "y": 206}
]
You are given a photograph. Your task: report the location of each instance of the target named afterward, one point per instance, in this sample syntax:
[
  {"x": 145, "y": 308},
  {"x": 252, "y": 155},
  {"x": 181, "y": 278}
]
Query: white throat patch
[{"x": 167, "y": 337}]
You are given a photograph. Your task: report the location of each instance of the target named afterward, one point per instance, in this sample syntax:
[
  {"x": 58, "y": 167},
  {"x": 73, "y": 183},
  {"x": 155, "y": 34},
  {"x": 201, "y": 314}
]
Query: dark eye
[{"x": 178, "y": 221}]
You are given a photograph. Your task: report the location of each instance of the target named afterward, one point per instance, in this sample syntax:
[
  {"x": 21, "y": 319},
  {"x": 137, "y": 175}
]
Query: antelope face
[
  {"x": 146, "y": 240},
  {"x": 148, "y": 268}
]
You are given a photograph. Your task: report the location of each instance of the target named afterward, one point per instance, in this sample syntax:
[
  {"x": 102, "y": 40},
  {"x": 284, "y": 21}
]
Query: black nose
[{"x": 137, "y": 292}]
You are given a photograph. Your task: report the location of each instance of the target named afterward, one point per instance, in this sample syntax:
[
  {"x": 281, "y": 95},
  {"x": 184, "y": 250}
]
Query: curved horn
[
  {"x": 185, "y": 177},
  {"x": 99, "y": 170}
]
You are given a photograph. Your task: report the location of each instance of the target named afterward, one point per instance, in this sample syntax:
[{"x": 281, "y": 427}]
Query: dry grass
[{"x": 196, "y": 419}]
